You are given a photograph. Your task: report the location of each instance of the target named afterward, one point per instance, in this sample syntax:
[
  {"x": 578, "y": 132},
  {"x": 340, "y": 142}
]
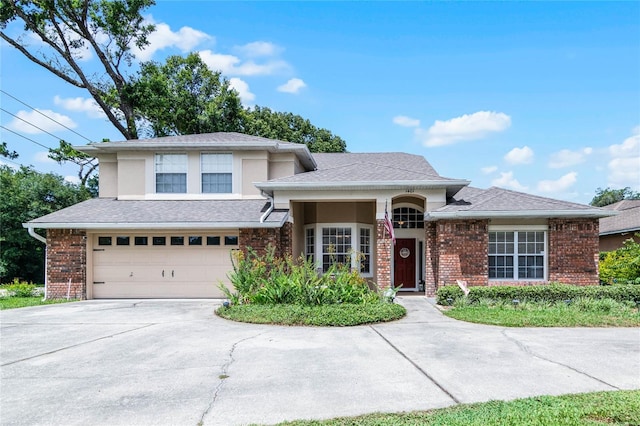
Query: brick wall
[
  {"x": 462, "y": 250},
  {"x": 66, "y": 259},
  {"x": 431, "y": 259},
  {"x": 259, "y": 238},
  {"x": 383, "y": 256},
  {"x": 573, "y": 251}
]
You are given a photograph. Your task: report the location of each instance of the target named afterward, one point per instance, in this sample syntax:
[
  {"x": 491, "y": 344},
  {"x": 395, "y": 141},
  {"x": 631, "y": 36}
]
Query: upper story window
[
  {"x": 171, "y": 173},
  {"x": 216, "y": 173}
]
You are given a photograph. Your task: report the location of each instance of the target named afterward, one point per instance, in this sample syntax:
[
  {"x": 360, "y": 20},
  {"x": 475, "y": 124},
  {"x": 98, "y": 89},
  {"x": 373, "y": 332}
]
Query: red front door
[{"x": 404, "y": 263}]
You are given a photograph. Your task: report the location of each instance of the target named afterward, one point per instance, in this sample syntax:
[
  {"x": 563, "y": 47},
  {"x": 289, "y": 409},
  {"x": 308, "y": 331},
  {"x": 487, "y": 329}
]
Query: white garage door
[{"x": 161, "y": 265}]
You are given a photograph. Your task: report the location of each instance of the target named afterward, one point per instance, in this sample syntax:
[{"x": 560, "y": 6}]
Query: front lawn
[
  {"x": 578, "y": 313},
  {"x": 598, "y": 408},
  {"x": 323, "y": 315},
  {"x": 22, "y": 302}
]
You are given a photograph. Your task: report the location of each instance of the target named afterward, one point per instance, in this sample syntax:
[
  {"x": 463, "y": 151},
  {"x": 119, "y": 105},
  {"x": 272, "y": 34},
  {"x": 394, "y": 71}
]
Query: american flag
[{"x": 388, "y": 225}]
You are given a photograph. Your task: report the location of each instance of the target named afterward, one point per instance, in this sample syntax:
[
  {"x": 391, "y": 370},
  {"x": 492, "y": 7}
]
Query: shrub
[
  {"x": 540, "y": 293},
  {"x": 20, "y": 289},
  {"x": 621, "y": 266},
  {"x": 269, "y": 280}
]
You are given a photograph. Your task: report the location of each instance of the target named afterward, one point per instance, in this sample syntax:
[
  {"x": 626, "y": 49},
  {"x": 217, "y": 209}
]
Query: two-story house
[{"x": 171, "y": 209}]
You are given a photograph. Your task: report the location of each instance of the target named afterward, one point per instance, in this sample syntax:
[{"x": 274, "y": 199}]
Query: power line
[
  {"x": 24, "y": 137},
  {"x": 46, "y": 116},
  {"x": 30, "y": 124}
]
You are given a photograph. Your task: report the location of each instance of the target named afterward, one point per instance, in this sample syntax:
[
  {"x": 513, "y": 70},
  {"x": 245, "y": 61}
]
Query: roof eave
[
  {"x": 397, "y": 184},
  {"x": 153, "y": 225},
  {"x": 621, "y": 231},
  {"x": 523, "y": 214}
]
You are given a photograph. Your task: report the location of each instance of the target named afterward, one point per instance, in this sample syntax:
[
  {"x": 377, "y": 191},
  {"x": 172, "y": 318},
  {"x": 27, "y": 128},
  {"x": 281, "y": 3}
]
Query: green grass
[
  {"x": 579, "y": 313},
  {"x": 22, "y": 302},
  {"x": 590, "y": 409},
  {"x": 324, "y": 315}
]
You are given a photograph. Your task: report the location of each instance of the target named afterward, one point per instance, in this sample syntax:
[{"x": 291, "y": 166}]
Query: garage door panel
[{"x": 159, "y": 272}]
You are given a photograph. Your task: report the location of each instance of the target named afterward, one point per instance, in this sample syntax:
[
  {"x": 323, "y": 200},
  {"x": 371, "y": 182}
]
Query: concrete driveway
[{"x": 173, "y": 362}]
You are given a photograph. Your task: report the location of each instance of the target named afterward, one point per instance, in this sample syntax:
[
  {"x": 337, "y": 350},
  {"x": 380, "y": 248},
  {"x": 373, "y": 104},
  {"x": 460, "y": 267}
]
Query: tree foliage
[
  {"x": 285, "y": 126},
  {"x": 622, "y": 266},
  {"x": 26, "y": 195},
  {"x": 607, "y": 196},
  {"x": 183, "y": 96},
  {"x": 71, "y": 31}
]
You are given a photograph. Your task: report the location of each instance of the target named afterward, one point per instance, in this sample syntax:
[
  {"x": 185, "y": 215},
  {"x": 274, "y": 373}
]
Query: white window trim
[
  {"x": 202, "y": 172},
  {"x": 155, "y": 173},
  {"x": 355, "y": 243},
  {"x": 515, "y": 230}
]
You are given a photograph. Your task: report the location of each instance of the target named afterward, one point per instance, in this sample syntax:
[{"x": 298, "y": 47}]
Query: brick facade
[
  {"x": 383, "y": 256},
  {"x": 431, "y": 259},
  {"x": 66, "y": 259},
  {"x": 260, "y": 238},
  {"x": 574, "y": 251}
]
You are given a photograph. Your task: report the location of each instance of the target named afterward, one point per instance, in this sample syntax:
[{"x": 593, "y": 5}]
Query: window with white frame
[
  {"x": 171, "y": 173},
  {"x": 348, "y": 244},
  {"x": 310, "y": 244},
  {"x": 216, "y": 172},
  {"x": 517, "y": 255}
]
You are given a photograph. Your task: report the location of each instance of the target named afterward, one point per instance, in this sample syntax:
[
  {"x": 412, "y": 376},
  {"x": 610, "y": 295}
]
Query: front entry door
[{"x": 404, "y": 263}]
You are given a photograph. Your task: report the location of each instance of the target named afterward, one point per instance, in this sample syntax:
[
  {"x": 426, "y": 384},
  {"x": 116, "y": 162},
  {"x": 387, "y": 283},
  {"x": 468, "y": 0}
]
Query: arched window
[{"x": 407, "y": 218}]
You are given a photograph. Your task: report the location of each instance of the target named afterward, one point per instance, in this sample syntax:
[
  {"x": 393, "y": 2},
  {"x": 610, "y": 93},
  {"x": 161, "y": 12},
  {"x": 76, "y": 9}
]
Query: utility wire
[
  {"x": 46, "y": 116},
  {"x": 24, "y": 137},
  {"x": 30, "y": 124}
]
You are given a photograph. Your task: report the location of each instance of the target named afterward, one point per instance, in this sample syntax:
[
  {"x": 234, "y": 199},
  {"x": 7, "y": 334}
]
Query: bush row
[{"x": 539, "y": 293}]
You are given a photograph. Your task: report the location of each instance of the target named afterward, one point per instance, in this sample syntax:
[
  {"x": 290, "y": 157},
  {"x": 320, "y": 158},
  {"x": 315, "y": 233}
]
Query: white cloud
[
  {"x": 489, "y": 169},
  {"x": 466, "y": 127},
  {"x": 185, "y": 39},
  {"x": 232, "y": 65},
  {"x": 568, "y": 158},
  {"x": 242, "y": 88},
  {"x": 258, "y": 48},
  {"x": 624, "y": 166},
  {"x": 42, "y": 157},
  {"x": 506, "y": 180},
  {"x": 559, "y": 185},
  {"x": 522, "y": 155},
  {"x": 404, "y": 121},
  {"x": 80, "y": 104},
  {"x": 292, "y": 86},
  {"x": 40, "y": 121}
]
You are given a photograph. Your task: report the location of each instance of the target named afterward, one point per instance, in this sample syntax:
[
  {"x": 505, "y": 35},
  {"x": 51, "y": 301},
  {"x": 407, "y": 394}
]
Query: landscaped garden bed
[{"x": 273, "y": 290}]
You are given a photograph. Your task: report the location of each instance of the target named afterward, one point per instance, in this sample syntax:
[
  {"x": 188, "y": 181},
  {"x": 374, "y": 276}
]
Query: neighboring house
[
  {"x": 172, "y": 209},
  {"x": 614, "y": 230}
]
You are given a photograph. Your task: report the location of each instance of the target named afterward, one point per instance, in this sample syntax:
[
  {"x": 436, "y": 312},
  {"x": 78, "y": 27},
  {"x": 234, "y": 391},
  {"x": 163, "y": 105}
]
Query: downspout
[
  {"x": 269, "y": 210},
  {"x": 42, "y": 239}
]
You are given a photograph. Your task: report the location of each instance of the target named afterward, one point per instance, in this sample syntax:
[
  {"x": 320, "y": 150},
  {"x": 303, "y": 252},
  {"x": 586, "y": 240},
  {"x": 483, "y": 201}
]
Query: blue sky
[{"x": 537, "y": 97}]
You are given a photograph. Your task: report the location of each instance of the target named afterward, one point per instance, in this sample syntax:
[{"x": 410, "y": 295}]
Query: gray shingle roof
[
  {"x": 499, "y": 202},
  {"x": 108, "y": 212},
  {"x": 374, "y": 170},
  {"x": 627, "y": 220}
]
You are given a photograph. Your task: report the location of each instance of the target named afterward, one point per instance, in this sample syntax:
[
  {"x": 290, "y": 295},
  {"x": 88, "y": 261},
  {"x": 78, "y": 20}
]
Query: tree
[
  {"x": 26, "y": 195},
  {"x": 622, "y": 266},
  {"x": 289, "y": 127},
  {"x": 607, "y": 196},
  {"x": 73, "y": 29},
  {"x": 183, "y": 96}
]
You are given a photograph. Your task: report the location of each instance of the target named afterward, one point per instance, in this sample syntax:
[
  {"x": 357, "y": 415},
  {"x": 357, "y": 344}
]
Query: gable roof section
[
  {"x": 220, "y": 141},
  {"x": 107, "y": 213},
  {"x": 349, "y": 171},
  {"x": 627, "y": 220},
  {"x": 497, "y": 202}
]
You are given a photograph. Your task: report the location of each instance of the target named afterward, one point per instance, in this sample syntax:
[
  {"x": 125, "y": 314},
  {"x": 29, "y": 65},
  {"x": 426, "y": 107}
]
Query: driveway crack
[
  {"x": 223, "y": 376},
  {"x": 76, "y": 345},
  {"x": 528, "y": 351},
  {"x": 423, "y": 372}
]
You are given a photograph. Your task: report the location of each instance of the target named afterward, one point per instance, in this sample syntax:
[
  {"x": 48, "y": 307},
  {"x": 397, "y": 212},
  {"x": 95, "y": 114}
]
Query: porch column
[{"x": 383, "y": 256}]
